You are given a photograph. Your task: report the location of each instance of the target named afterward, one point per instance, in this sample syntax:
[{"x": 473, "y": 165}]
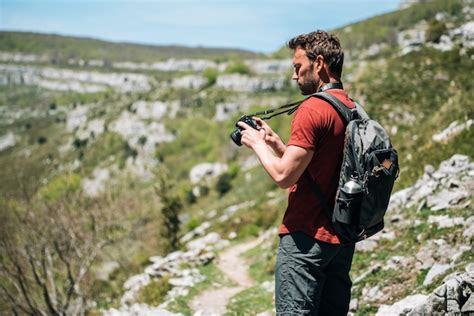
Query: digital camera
[{"x": 236, "y": 135}]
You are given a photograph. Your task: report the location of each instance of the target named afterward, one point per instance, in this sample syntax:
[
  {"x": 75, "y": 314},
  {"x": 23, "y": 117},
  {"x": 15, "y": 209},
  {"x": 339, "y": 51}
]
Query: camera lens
[{"x": 236, "y": 137}]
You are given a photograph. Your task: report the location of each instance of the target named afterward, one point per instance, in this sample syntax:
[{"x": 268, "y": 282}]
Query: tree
[
  {"x": 223, "y": 184},
  {"x": 46, "y": 251},
  {"x": 171, "y": 205}
]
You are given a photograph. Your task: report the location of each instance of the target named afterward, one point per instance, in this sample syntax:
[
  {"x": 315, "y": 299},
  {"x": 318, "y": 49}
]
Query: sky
[{"x": 258, "y": 25}]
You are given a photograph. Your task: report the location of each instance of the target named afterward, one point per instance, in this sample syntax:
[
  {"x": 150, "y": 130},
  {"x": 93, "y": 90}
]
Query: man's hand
[
  {"x": 271, "y": 138},
  {"x": 252, "y": 137}
]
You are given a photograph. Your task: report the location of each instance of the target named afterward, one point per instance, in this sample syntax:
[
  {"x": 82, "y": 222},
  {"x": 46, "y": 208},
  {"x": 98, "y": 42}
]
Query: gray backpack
[{"x": 368, "y": 173}]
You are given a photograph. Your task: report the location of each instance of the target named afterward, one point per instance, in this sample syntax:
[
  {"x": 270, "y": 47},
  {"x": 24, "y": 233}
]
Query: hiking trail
[{"x": 214, "y": 301}]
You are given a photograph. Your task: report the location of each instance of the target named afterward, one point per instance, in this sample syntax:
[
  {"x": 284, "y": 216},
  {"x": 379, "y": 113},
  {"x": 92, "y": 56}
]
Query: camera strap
[{"x": 291, "y": 108}]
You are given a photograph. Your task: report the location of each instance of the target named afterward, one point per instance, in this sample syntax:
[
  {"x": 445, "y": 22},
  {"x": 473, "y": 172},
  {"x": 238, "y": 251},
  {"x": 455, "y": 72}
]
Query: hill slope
[{"x": 123, "y": 157}]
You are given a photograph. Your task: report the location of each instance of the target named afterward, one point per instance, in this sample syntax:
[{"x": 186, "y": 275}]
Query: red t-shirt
[{"x": 318, "y": 127}]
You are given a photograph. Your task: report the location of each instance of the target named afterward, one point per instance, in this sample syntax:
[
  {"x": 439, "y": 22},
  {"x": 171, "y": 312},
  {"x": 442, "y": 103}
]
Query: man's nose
[{"x": 295, "y": 76}]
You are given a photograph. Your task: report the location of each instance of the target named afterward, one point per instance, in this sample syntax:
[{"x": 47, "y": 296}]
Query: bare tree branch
[
  {"x": 42, "y": 284},
  {"x": 14, "y": 301}
]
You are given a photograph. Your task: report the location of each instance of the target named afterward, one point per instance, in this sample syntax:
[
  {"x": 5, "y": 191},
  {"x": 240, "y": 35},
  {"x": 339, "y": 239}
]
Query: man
[{"x": 312, "y": 268}]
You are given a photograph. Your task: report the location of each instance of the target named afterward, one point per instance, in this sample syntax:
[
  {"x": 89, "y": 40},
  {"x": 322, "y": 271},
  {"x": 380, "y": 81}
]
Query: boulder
[
  {"x": 403, "y": 306},
  {"x": 450, "y": 297}
]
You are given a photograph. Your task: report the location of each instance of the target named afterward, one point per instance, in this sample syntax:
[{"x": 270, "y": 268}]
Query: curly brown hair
[{"x": 324, "y": 44}]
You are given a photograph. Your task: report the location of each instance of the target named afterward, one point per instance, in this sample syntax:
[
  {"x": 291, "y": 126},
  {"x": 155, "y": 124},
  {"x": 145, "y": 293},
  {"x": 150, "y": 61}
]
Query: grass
[
  {"x": 155, "y": 292},
  {"x": 440, "y": 96},
  {"x": 250, "y": 302}
]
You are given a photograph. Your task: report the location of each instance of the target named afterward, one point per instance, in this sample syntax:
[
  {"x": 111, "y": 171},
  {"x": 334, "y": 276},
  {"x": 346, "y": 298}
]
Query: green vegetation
[
  {"x": 61, "y": 187},
  {"x": 250, "y": 301},
  {"x": 238, "y": 68},
  {"x": 414, "y": 96},
  {"x": 435, "y": 30},
  {"x": 59, "y": 49},
  {"x": 211, "y": 75},
  {"x": 170, "y": 209},
  {"x": 155, "y": 292}
]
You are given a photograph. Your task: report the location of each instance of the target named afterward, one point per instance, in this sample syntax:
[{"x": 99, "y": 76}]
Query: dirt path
[{"x": 214, "y": 301}]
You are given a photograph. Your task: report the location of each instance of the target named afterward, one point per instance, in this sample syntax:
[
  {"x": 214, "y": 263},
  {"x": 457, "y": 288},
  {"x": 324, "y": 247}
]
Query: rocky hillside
[{"x": 122, "y": 193}]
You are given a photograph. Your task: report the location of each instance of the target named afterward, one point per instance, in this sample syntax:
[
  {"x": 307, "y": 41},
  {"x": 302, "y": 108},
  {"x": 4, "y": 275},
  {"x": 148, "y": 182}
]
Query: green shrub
[
  {"x": 155, "y": 292},
  {"x": 435, "y": 30},
  {"x": 211, "y": 75},
  {"x": 60, "y": 187},
  {"x": 223, "y": 184},
  {"x": 192, "y": 223},
  {"x": 42, "y": 140},
  {"x": 238, "y": 68},
  {"x": 249, "y": 230},
  {"x": 171, "y": 206}
]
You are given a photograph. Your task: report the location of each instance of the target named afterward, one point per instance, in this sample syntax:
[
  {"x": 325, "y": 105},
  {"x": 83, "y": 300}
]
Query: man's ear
[{"x": 319, "y": 63}]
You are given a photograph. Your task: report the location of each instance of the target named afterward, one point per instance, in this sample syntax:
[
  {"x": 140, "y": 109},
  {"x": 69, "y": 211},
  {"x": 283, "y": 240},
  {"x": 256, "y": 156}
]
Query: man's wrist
[{"x": 259, "y": 146}]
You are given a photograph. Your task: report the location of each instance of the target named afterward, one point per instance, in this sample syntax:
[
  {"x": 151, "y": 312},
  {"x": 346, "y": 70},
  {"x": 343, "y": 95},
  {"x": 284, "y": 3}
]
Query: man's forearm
[
  {"x": 278, "y": 149},
  {"x": 271, "y": 163}
]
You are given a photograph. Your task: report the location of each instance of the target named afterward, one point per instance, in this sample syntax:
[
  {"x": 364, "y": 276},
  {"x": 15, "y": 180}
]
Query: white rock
[
  {"x": 72, "y": 80},
  {"x": 229, "y": 211},
  {"x": 170, "y": 65},
  {"x": 6, "y": 141},
  {"x": 469, "y": 232},
  {"x": 445, "y": 44},
  {"x": 274, "y": 66},
  {"x": 245, "y": 83},
  {"x": 105, "y": 269},
  {"x": 412, "y": 39},
  {"x": 452, "y": 130},
  {"x": 138, "y": 310},
  {"x": 142, "y": 137},
  {"x": 77, "y": 117},
  {"x": 353, "y": 305},
  {"x": 22, "y": 57},
  {"x": 372, "y": 294},
  {"x": 366, "y": 245},
  {"x": 403, "y": 306},
  {"x": 149, "y": 110},
  {"x": 210, "y": 239},
  {"x": 268, "y": 286},
  {"x": 224, "y": 111},
  {"x": 136, "y": 281},
  {"x": 198, "y": 231},
  {"x": 444, "y": 221},
  {"x": 397, "y": 262},
  {"x": 96, "y": 185},
  {"x": 436, "y": 269},
  {"x": 92, "y": 130},
  {"x": 189, "y": 82},
  {"x": 206, "y": 170},
  {"x": 446, "y": 198}
]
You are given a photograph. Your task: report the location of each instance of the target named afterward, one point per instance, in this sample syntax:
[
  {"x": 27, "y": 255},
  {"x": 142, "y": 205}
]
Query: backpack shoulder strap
[
  {"x": 319, "y": 193},
  {"x": 344, "y": 111}
]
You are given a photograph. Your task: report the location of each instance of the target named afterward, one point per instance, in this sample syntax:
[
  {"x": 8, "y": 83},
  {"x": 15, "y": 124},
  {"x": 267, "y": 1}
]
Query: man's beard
[{"x": 308, "y": 86}]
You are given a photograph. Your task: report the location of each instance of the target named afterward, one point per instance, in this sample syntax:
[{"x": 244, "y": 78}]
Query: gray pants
[{"x": 312, "y": 277}]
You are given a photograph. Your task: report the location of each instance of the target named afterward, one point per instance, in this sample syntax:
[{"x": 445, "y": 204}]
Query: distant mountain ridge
[{"x": 65, "y": 47}]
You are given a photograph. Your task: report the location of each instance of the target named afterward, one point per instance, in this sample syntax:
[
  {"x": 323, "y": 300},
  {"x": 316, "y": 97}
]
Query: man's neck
[{"x": 325, "y": 82}]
